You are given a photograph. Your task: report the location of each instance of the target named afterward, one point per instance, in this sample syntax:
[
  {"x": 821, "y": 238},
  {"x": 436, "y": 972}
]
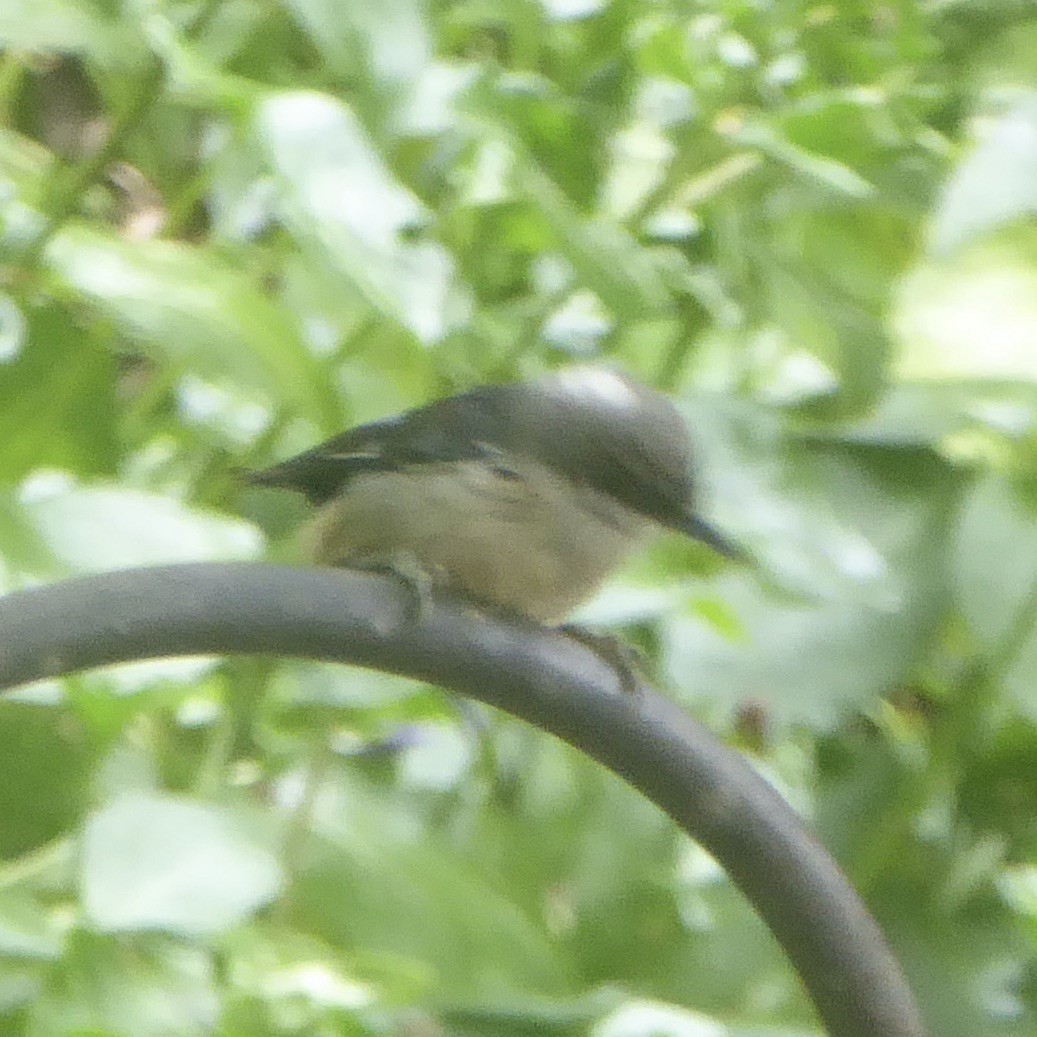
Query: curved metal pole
[{"x": 539, "y": 675}]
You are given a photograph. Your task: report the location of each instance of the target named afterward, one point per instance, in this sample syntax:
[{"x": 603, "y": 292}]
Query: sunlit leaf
[
  {"x": 158, "y": 863},
  {"x": 339, "y": 197},
  {"x": 59, "y": 25},
  {"x": 996, "y": 185},
  {"x": 100, "y": 987},
  {"x": 392, "y": 38},
  {"x": 972, "y": 315},
  {"x": 833, "y": 608},
  {"x": 191, "y": 310},
  {"x": 995, "y": 564},
  {"x": 92, "y": 528}
]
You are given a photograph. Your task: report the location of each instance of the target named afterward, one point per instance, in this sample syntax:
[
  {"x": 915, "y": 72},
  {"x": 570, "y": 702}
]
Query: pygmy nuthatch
[{"x": 522, "y": 497}]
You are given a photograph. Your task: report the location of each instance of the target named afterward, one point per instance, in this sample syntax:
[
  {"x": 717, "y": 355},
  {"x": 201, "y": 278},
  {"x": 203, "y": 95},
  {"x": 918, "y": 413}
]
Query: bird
[{"x": 522, "y": 497}]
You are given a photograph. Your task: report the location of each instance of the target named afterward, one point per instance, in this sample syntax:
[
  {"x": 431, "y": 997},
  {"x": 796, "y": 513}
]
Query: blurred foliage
[{"x": 230, "y": 227}]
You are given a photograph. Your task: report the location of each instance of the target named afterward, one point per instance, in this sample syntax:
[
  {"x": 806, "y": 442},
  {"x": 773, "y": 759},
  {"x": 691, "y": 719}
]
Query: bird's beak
[{"x": 698, "y": 529}]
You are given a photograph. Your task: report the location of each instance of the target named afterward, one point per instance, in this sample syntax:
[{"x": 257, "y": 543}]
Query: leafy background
[{"x": 230, "y": 227}]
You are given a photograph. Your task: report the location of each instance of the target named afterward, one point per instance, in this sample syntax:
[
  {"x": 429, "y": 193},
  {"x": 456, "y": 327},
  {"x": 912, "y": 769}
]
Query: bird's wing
[{"x": 454, "y": 429}]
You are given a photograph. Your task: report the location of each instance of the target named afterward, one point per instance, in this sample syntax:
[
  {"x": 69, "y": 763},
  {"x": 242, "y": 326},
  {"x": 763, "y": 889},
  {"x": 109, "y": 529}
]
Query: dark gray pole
[{"x": 539, "y": 675}]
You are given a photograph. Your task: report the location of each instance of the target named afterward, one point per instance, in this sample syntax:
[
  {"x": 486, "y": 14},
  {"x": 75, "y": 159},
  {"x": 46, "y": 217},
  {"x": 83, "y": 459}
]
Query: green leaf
[
  {"x": 57, "y": 406},
  {"x": 607, "y": 259},
  {"x": 392, "y": 39},
  {"x": 22, "y": 160},
  {"x": 192, "y": 311},
  {"x": 836, "y": 176},
  {"x": 60, "y": 25},
  {"x": 641, "y": 1018},
  {"x": 382, "y": 882},
  {"x": 26, "y": 929},
  {"x": 339, "y": 198},
  {"x": 96, "y": 527},
  {"x": 45, "y": 791},
  {"x": 160, "y": 863},
  {"x": 996, "y": 185},
  {"x": 972, "y": 315},
  {"x": 995, "y": 565},
  {"x": 534, "y": 130},
  {"x": 105, "y": 987},
  {"x": 851, "y": 550}
]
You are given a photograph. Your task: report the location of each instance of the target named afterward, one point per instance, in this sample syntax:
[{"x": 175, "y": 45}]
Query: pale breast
[{"x": 518, "y": 538}]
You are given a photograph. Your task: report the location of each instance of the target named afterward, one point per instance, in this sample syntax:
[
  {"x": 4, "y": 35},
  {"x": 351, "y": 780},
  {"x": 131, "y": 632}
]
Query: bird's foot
[
  {"x": 628, "y": 662},
  {"x": 408, "y": 570}
]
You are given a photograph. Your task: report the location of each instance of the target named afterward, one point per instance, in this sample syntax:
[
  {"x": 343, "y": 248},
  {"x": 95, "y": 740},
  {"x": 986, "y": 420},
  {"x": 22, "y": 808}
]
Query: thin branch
[{"x": 536, "y": 674}]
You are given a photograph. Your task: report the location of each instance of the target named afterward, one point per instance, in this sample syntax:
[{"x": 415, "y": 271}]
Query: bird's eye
[{"x": 503, "y": 472}]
